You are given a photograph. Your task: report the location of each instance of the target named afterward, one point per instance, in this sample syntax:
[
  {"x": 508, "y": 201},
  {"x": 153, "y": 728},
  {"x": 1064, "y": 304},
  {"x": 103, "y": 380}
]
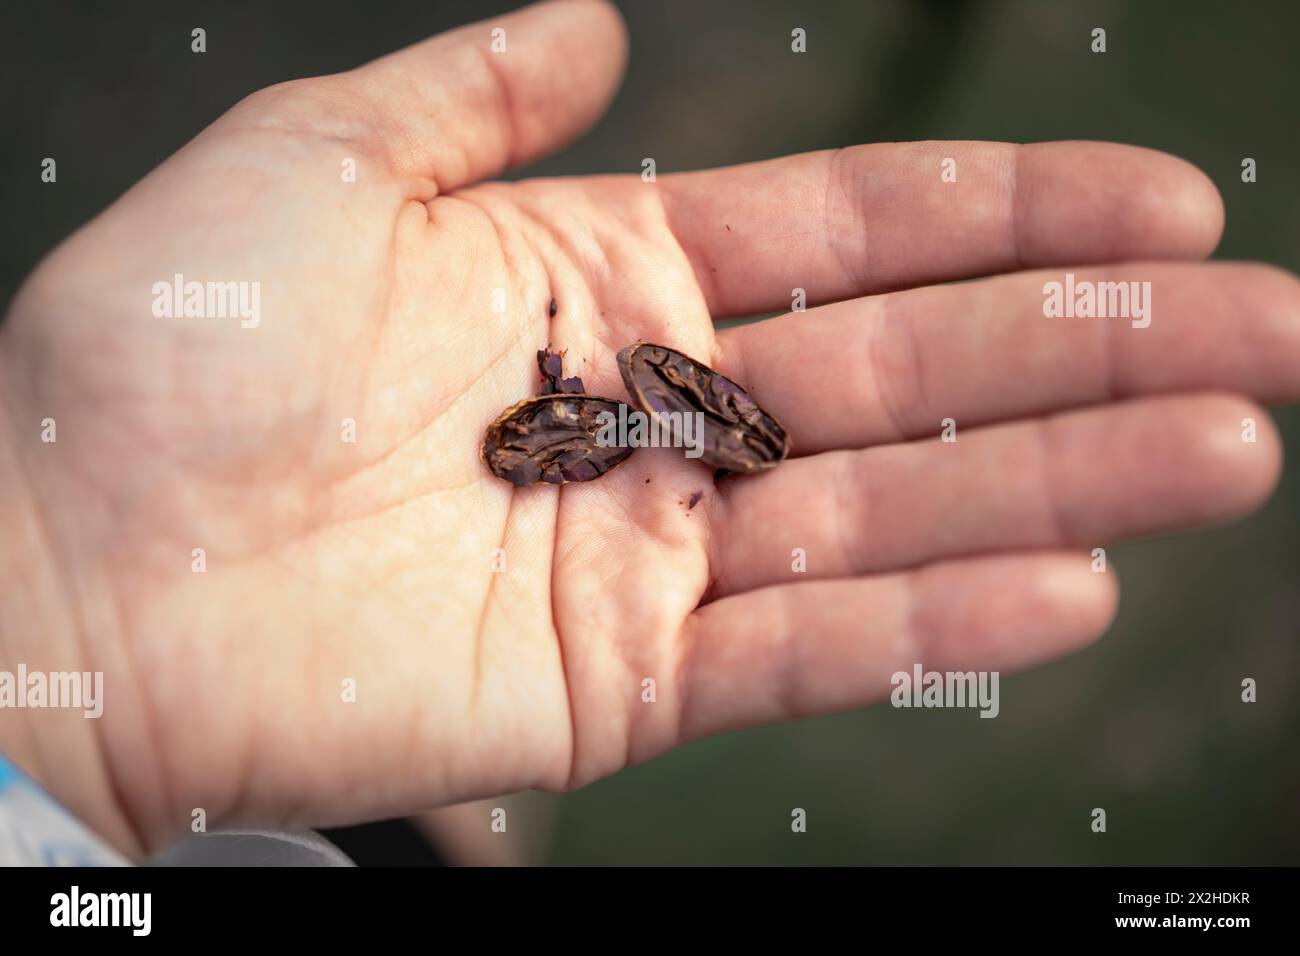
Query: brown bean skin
[
  {"x": 739, "y": 437},
  {"x": 551, "y": 438}
]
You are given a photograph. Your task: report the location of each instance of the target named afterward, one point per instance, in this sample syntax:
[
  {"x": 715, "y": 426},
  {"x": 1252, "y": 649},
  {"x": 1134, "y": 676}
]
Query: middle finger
[{"x": 893, "y": 367}]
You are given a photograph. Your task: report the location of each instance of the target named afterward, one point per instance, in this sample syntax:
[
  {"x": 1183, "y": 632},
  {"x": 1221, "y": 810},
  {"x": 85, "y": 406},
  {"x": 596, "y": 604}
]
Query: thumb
[{"x": 469, "y": 103}]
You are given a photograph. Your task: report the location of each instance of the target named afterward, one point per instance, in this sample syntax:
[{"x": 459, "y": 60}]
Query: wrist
[{"x": 52, "y": 687}]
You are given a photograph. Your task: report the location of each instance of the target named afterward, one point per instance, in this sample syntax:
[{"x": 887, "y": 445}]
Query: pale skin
[{"x": 330, "y": 561}]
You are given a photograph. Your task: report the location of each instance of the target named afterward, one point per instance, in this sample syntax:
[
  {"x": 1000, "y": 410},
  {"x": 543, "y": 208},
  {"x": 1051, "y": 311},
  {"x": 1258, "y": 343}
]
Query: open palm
[{"x": 380, "y": 625}]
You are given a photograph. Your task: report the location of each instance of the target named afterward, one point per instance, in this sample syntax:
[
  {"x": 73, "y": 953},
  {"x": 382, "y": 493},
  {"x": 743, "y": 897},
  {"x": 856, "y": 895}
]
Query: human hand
[{"x": 371, "y": 561}]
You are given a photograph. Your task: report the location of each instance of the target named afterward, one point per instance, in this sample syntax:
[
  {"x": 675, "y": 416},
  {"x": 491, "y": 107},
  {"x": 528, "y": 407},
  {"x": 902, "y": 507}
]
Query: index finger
[{"x": 850, "y": 222}]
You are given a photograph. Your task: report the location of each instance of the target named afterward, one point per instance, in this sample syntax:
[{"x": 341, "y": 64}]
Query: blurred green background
[{"x": 1148, "y": 723}]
